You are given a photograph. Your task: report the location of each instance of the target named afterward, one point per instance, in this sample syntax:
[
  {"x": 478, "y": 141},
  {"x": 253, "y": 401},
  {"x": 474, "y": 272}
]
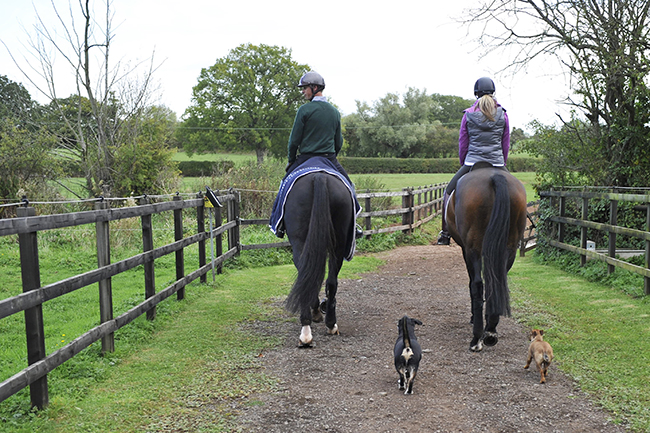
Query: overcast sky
[{"x": 363, "y": 49}]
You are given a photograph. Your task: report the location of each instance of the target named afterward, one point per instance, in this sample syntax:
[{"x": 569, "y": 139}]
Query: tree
[
  {"x": 449, "y": 109},
  {"x": 246, "y": 101},
  {"x": 411, "y": 128},
  {"x": 145, "y": 161},
  {"x": 604, "y": 46},
  {"x": 16, "y": 103},
  {"x": 94, "y": 122},
  {"x": 26, "y": 161}
]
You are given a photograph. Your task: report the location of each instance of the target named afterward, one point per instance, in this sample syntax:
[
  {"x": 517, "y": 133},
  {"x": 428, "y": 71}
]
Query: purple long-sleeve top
[{"x": 463, "y": 139}]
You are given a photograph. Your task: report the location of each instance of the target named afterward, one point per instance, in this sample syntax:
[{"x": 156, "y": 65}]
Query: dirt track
[{"x": 347, "y": 383}]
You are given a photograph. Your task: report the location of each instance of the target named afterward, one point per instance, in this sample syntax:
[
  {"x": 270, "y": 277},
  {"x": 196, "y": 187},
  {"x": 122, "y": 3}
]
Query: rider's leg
[{"x": 443, "y": 238}]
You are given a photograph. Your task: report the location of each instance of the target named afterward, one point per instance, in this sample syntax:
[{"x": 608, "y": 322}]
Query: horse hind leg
[
  {"x": 318, "y": 311},
  {"x": 490, "y": 336},
  {"x": 476, "y": 295},
  {"x": 306, "y": 338},
  {"x": 331, "y": 287}
]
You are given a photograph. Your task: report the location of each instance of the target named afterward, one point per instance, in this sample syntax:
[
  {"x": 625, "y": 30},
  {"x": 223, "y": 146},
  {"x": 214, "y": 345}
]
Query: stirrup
[
  {"x": 443, "y": 238},
  {"x": 358, "y": 232}
]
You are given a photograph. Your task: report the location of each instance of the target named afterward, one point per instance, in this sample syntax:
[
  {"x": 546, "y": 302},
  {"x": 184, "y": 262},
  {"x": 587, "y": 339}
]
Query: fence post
[
  {"x": 613, "y": 218},
  {"x": 436, "y": 197},
  {"x": 419, "y": 203},
  {"x": 102, "y": 234},
  {"x": 368, "y": 207},
  {"x": 583, "y": 230},
  {"x": 646, "y": 280},
  {"x": 147, "y": 245},
  {"x": 233, "y": 215},
  {"x": 562, "y": 214},
  {"x": 31, "y": 278},
  {"x": 180, "y": 254},
  {"x": 200, "y": 228},
  {"x": 218, "y": 220},
  {"x": 407, "y": 204}
]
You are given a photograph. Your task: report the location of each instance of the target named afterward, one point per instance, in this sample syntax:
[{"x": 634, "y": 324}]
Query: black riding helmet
[{"x": 483, "y": 86}]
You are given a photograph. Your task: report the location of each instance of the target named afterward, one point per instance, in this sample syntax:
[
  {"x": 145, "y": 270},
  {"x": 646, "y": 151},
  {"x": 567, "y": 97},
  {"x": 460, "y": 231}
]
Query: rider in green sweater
[{"x": 316, "y": 130}]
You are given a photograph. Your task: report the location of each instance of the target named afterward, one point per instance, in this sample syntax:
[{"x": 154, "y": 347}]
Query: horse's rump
[
  {"x": 319, "y": 220},
  {"x": 486, "y": 217}
]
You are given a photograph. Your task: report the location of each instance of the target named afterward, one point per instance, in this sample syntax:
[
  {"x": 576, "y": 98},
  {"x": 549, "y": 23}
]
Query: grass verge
[
  {"x": 188, "y": 371},
  {"x": 599, "y": 335}
]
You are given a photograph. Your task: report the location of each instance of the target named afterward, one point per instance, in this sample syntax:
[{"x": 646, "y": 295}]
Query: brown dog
[{"x": 541, "y": 351}]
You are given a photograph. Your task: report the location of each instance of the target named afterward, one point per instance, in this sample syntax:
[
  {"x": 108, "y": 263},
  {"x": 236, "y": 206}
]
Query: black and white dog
[{"x": 407, "y": 353}]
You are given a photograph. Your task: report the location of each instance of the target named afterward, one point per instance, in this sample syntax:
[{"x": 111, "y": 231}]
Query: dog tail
[
  {"x": 546, "y": 359},
  {"x": 405, "y": 332}
]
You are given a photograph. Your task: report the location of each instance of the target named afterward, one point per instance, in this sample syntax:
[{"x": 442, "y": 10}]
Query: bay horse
[
  {"x": 486, "y": 216},
  {"x": 320, "y": 223}
]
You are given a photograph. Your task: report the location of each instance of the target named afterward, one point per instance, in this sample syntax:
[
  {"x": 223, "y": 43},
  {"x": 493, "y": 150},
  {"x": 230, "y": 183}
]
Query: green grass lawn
[
  {"x": 599, "y": 335},
  {"x": 152, "y": 383}
]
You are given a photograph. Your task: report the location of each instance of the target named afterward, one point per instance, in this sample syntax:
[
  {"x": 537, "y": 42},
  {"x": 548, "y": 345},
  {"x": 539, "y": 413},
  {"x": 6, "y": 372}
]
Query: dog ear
[
  {"x": 541, "y": 332},
  {"x": 416, "y": 321}
]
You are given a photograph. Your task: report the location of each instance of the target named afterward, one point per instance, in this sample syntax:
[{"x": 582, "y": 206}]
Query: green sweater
[{"x": 316, "y": 129}]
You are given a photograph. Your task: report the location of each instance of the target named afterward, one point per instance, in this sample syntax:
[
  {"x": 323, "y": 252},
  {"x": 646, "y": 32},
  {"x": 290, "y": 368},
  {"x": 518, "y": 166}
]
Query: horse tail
[
  {"x": 495, "y": 255},
  {"x": 319, "y": 243}
]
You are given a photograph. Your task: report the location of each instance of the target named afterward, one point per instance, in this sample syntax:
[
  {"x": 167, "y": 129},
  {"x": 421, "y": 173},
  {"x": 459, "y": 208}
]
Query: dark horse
[
  {"x": 319, "y": 221},
  {"x": 486, "y": 216}
]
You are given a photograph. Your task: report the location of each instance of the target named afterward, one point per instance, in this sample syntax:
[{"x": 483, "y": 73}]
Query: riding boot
[
  {"x": 443, "y": 237},
  {"x": 358, "y": 232},
  {"x": 279, "y": 231}
]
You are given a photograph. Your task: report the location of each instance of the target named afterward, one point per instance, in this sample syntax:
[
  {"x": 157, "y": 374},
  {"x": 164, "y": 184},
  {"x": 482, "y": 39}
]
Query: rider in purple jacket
[{"x": 484, "y": 137}]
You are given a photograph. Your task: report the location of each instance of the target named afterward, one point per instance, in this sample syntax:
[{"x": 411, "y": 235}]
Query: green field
[
  {"x": 395, "y": 182},
  {"x": 391, "y": 181}
]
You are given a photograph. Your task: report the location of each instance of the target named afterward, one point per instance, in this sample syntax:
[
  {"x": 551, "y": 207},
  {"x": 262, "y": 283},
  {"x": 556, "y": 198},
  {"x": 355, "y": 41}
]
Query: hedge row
[
  {"x": 421, "y": 165},
  {"x": 352, "y": 166},
  {"x": 204, "y": 168}
]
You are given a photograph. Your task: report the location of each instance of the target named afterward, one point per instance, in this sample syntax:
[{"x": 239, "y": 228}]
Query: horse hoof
[
  {"x": 476, "y": 347},
  {"x": 490, "y": 339},
  {"x": 302, "y": 345},
  {"x": 334, "y": 330}
]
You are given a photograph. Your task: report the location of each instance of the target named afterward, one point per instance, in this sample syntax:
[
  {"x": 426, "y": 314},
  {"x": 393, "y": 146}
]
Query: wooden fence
[
  {"x": 419, "y": 205},
  {"x": 558, "y": 202}
]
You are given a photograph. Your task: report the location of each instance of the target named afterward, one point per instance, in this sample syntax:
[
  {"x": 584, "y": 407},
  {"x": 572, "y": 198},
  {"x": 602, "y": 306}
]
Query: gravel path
[{"x": 347, "y": 383}]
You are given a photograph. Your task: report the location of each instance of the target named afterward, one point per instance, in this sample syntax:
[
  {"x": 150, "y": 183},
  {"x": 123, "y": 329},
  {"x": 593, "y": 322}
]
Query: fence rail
[
  {"x": 558, "y": 202},
  {"x": 419, "y": 205}
]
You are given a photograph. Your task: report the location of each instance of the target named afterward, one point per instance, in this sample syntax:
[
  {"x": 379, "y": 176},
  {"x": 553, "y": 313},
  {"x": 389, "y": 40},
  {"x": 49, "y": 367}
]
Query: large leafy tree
[
  {"x": 16, "y": 103},
  {"x": 246, "y": 101},
  {"x": 604, "y": 46},
  {"x": 414, "y": 125}
]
